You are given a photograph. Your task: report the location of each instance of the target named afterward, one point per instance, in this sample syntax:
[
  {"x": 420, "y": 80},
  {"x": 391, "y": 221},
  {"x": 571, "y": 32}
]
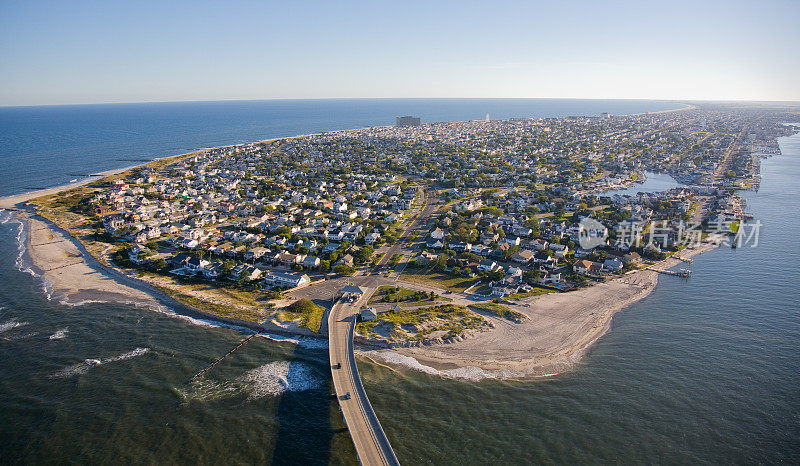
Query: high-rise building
[{"x": 407, "y": 121}]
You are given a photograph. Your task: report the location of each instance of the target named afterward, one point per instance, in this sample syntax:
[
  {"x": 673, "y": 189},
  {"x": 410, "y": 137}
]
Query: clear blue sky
[{"x": 129, "y": 51}]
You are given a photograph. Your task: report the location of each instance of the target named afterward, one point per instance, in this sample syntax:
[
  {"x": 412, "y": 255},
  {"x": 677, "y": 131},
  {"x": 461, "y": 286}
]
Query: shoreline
[
  {"x": 79, "y": 278},
  {"x": 559, "y": 330}
]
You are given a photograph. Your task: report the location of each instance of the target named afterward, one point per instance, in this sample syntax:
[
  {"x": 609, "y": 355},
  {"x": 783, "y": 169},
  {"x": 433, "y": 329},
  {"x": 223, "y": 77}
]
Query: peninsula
[{"x": 492, "y": 245}]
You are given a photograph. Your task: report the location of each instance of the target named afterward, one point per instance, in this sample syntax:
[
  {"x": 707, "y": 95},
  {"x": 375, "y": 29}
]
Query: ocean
[{"x": 704, "y": 370}]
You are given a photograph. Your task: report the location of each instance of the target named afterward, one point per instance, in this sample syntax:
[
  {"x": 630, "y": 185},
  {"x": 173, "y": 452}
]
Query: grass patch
[
  {"x": 440, "y": 280},
  {"x": 310, "y": 314},
  {"x": 499, "y": 310},
  {"x": 528, "y": 294},
  {"x": 416, "y": 324},
  {"x": 221, "y": 310},
  {"x": 393, "y": 294}
]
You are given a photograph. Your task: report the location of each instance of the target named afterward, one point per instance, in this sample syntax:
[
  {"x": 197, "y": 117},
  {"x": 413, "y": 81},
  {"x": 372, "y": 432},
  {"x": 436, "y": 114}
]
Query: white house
[{"x": 284, "y": 279}]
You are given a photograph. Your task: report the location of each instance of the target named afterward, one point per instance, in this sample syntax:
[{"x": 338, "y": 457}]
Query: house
[
  {"x": 438, "y": 233},
  {"x": 551, "y": 279},
  {"x": 134, "y": 253},
  {"x": 255, "y": 253},
  {"x": 288, "y": 259},
  {"x": 347, "y": 260},
  {"x": 284, "y": 279},
  {"x": 212, "y": 271},
  {"x": 543, "y": 259},
  {"x": 113, "y": 223},
  {"x": 633, "y": 257},
  {"x": 523, "y": 256},
  {"x": 489, "y": 238},
  {"x": 612, "y": 265},
  {"x": 351, "y": 292},
  {"x": 487, "y": 265},
  {"x": 369, "y": 314},
  {"x": 310, "y": 262},
  {"x": 248, "y": 272},
  {"x": 522, "y": 231},
  {"x": 480, "y": 250},
  {"x": 195, "y": 264},
  {"x": 587, "y": 267},
  {"x": 426, "y": 257},
  {"x": 460, "y": 246},
  {"x": 372, "y": 237},
  {"x": 539, "y": 245},
  {"x": 435, "y": 244}
]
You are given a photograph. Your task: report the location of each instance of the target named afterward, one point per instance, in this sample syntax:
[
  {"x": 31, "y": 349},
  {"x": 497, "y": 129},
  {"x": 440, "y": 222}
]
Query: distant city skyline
[{"x": 98, "y": 52}]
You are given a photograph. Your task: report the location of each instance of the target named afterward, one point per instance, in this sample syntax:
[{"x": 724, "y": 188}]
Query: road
[
  {"x": 403, "y": 245},
  {"x": 371, "y": 444}
]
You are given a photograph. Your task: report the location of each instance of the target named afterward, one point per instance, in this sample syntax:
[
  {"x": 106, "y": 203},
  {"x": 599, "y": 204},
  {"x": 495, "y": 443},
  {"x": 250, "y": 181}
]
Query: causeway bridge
[{"x": 371, "y": 444}]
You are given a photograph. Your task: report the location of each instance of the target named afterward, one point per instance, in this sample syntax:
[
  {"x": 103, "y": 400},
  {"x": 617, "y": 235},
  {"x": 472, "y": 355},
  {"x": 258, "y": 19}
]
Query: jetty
[{"x": 211, "y": 366}]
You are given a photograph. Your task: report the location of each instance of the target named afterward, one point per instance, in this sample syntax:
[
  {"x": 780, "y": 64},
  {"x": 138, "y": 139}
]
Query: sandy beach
[
  {"x": 68, "y": 275},
  {"x": 559, "y": 328}
]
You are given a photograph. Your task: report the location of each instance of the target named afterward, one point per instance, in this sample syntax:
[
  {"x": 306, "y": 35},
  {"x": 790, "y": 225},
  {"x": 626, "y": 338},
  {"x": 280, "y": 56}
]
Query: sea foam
[
  {"x": 11, "y": 324},
  {"x": 60, "y": 334},
  {"x": 267, "y": 380}
]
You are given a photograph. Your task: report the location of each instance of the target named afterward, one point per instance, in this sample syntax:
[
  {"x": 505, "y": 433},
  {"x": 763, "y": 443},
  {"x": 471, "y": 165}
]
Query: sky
[{"x": 72, "y": 52}]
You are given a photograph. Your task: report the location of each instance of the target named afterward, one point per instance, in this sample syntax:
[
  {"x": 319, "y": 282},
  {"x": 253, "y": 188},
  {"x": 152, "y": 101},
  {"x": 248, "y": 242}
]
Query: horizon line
[{"x": 679, "y": 100}]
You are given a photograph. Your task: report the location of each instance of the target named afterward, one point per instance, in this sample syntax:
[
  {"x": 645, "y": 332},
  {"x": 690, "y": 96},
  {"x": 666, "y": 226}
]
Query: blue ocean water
[
  {"x": 49, "y": 146},
  {"x": 702, "y": 371}
]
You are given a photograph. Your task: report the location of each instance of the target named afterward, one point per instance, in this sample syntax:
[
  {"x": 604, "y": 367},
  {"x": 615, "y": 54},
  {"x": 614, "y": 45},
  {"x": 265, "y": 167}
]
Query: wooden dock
[{"x": 684, "y": 273}]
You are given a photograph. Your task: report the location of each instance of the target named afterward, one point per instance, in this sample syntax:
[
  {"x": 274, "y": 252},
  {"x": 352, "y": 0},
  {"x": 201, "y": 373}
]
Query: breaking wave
[
  {"x": 23, "y": 336},
  {"x": 60, "y": 334},
  {"x": 278, "y": 377},
  {"x": 11, "y": 324},
  {"x": 268, "y": 380},
  {"x": 83, "y": 367}
]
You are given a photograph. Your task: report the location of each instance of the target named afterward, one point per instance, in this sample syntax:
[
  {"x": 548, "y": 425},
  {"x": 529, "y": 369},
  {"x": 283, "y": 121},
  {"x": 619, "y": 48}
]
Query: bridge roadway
[{"x": 371, "y": 444}]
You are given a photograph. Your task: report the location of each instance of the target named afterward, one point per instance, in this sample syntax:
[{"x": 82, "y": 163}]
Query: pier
[{"x": 684, "y": 273}]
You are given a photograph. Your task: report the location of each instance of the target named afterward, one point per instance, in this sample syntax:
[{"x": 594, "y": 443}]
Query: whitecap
[
  {"x": 24, "y": 336},
  {"x": 11, "y": 324},
  {"x": 125, "y": 356},
  {"x": 88, "y": 363},
  {"x": 60, "y": 334},
  {"x": 71, "y": 371}
]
